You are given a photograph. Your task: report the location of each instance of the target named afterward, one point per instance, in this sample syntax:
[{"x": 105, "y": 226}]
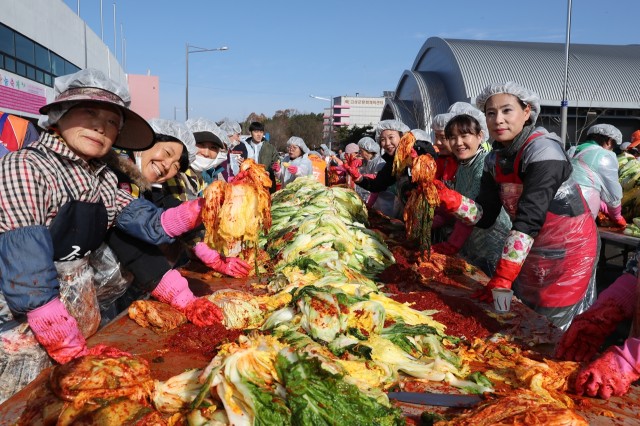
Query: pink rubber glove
[
  {"x": 231, "y": 266},
  {"x": 589, "y": 330},
  {"x": 612, "y": 373},
  {"x": 276, "y": 167},
  {"x": 57, "y": 331},
  {"x": 178, "y": 220},
  {"x": 173, "y": 289},
  {"x": 458, "y": 237},
  {"x": 293, "y": 169},
  {"x": 615, "y": 214},
  {"x": 604, "y": 208},
  {"x": 514, "y": 253}
]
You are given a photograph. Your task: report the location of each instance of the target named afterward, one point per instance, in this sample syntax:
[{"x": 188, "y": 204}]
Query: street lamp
[
  {"x": 330, "y": 100},
  {"x": 194, "y": 49}
]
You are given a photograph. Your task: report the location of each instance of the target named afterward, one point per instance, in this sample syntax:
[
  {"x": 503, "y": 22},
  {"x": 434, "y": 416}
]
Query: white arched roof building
[{"x": 603, "y": 83}]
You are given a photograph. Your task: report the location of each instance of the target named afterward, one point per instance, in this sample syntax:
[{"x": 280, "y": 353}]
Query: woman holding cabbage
[
  {"x": 389, "y": 133},
  {"x": 296, "y": 163}
]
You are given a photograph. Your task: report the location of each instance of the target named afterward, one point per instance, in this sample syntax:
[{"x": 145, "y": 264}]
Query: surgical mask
[{"x": 203, "y": 163}]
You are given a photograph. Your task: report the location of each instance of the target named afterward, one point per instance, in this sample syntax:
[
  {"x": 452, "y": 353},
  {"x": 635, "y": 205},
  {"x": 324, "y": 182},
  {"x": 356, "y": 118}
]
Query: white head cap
[
  {"x": 178, "y": 131},
  {"x": 527, "y": 96}
]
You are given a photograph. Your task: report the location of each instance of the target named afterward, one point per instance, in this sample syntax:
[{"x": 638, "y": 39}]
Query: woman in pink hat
[{"x": 58, "y": 201}]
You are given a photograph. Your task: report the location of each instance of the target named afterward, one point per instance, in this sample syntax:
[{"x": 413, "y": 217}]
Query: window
[
  {"x": 31, "y": 72},
  {"x": 57, "y": 65},
  {"x": 9, "y": 64},
  {"x": 42, "y": 58},
  {"x": 21, "y": 68},
  {"x": 69, "y": 68},
  {"x": 39, "y": 76},
  {"x": 25, "y": 49},
  {"x": 6, "y": 40},
  {"x": 48, "y": 80}
]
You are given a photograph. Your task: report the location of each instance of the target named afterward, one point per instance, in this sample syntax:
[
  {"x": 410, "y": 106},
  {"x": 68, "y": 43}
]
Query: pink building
[{"x": 145, "y": 95}]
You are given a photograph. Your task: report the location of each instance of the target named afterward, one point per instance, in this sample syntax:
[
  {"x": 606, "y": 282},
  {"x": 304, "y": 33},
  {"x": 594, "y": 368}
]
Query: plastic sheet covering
[
  {"x": 110, "y": 280},
  {"x": 558, "y": 279},
  {"x": 78, "y": 294},
  {"x": 21, "y": 359},
  {"x": 596, "y": 171}
]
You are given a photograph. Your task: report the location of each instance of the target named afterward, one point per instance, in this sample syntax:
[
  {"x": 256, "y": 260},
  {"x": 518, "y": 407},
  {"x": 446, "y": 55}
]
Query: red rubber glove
[
  {"x": 515, "y": 251},
  {"x": 231, "y": 266},
  {"x": 589, "y": 330},
  {"x": 352, "y": 161},
  {"x": 178, "y": 220},
  {"x": 276, "y": 167},
  {"x": 354, "y": 172},
  {"x": 293, "y": 169},
  {"x": 458, "y": 237},
  {"x": 612, "y": 373},
  {"x": 173, "y": 289},
  {"x": 450, "y": 200},
  {"x": 57, "y": 331}
]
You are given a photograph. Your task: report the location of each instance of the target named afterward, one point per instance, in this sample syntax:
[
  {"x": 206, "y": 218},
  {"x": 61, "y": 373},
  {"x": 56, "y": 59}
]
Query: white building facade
[{"x": 40, "y": 40}]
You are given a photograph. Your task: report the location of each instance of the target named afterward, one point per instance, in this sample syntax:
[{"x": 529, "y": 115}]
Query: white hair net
[
  {"x": 527, "y": 96},
  {"x": 607, "y": 130},
  {"x": 295, "y": 140},
  {"x": 460, "y": 108},
  {"x": 368, "y": 144},
  {"x": 176, "y": 130},
  {"x": 396, "y": 125},
  {"x": 231, "y": 127},
  {"x": 440, "y": 121},
  {"x": 625, "y": 145},
  {"x": 421, "y": 135},
  {"x": 197, "y": 125}
]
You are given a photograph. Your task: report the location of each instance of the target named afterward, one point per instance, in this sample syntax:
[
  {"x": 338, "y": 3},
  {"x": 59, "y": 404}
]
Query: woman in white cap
[
  {"x": 389, "y": 133},
  {"x": 59, "y": 200},
  {"x": 372, "y": 163},
  {"x": 296, "y": 163},
  {"x": 549, "y": 256},
  {"x": 237, "y": 151},
  {"x": 595, "y": 168}
]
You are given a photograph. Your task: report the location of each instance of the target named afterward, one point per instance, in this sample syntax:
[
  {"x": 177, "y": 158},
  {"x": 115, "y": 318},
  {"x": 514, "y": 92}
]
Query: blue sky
[{"x": 280, "y": 52}]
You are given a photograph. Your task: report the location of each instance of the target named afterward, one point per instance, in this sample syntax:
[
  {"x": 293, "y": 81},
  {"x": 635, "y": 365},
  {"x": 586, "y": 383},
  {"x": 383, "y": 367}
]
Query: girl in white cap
[{"x": 549, "y": 256}]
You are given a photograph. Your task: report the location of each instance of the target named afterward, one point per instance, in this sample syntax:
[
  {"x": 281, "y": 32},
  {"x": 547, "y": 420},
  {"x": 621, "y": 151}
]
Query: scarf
[
  {"x": 470, "y": 161},
  {"x": 514, "y": 147}
]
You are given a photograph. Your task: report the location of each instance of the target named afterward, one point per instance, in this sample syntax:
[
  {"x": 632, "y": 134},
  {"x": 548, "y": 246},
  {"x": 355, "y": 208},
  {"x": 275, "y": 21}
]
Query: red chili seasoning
[
  {"x": 191, "y": 338},
  {"x": 461, "y": 316}
]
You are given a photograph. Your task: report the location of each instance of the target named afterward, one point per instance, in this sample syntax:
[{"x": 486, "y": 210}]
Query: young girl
[{"x": 480, "y": 247}]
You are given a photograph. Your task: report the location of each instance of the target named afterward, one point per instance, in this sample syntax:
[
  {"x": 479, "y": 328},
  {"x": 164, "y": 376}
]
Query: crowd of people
[{"x": 101, "y": 179}]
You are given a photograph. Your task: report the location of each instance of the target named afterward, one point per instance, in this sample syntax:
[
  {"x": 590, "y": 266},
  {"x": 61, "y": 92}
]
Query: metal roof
[{"x": 599, "y": 75}]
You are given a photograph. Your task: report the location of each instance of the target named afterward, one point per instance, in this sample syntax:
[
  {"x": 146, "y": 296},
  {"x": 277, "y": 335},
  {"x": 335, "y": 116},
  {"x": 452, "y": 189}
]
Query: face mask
[{"x": 203, "y": 163}]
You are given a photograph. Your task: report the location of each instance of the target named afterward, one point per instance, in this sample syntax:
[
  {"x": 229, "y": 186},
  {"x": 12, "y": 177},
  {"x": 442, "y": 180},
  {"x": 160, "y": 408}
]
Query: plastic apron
[
  {"x": 555, "y": 274},
  {"x": 78, "y": 228}
]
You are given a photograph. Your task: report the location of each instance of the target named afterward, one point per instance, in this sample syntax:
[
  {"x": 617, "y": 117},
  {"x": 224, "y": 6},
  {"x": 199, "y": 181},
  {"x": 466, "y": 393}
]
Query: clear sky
[{"x": 281, "y": 51}]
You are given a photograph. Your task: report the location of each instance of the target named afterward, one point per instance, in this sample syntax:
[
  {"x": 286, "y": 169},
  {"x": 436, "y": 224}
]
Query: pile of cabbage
[
  {"x": 331, "y": 343},
  {"x": 318, "y": 232}
]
